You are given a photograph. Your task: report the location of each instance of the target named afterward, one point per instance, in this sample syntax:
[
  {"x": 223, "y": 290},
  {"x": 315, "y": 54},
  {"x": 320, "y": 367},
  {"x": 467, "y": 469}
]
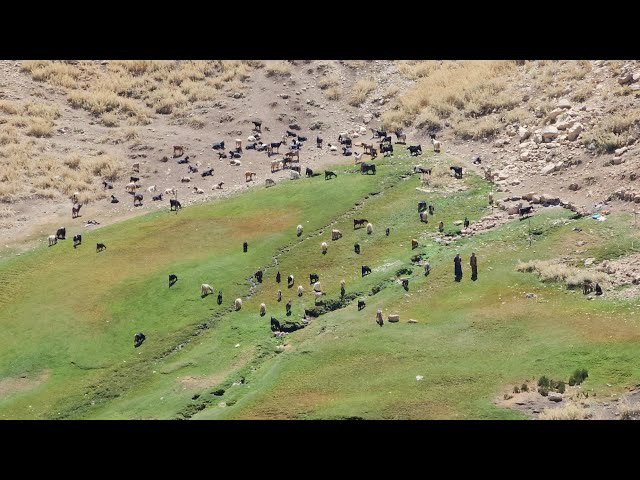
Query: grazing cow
[
  {"x": 138, "y": 338},
  {"x": 477, "y": 160},
  {"x": 401, "y": 136},
  {"x": 218, "y": 146},
  {"x": 361, "y": 304},
  {"x": 415, "y": 149},
  {"x": 172, "y": 279},
  {"x": 258, "y": 276},
  {"x": 424, "y": 217},
  {"x": 379, "y": 319},
  {"x": 369, "y": 229},
  {"x": 137, "y": 199},
  {"x": 75, "y": 210},
  {"x": 308, "y": 172},
  {"x": 257, "y": 125},
  {"x": 323, "y": 246},
  {"x": 313, "y": 278},
  {"x": 359, "y": 222},
  {"x": 275, "y": 325},
  {"x": 279, "y": 295},
  {"x": 248, "y": 176},
  {"x": 100, "y": 247},
  {"x": 384, "y": 149},
  {"x": 290, "y": 281},
  {"x": 107, "y": 185},
  {"x": 335, "y": 234},
  {"x": 269, "y": 182},
  {"x": 319, "y": 142},
  {"x": 457, "y": 171},
  {"x": 263, "y": 309},
  {"x": 178, "y": 151},
  {"x": 61, "y": 232},
  {"x": 77, "y": 240},
  {"x": 422, "y": 206},
  {"x": 157, "y": 197},
  {"x": 52, "y": 240},
  {"x": 219, "y": 297},
  {"x": 328, "y": 174},
  {"x": 365, "y": 270},
  {"x": 207, "y": 173},
  {"x": 356, "y": 248},
  {"x": 367, "y": 167},
  {"x": 405, "y": 283},
  {"x": 414, "y": 243},
  {"x": 175, "y": 204},
  {"x": 300, "y": 290},
  {"x": 206, "y": 289}
]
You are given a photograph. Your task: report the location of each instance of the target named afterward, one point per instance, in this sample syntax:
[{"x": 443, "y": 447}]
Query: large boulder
[
  {"x": 549, "y": 133},
  {"x": 574, "y": 131},
  {"x": 393, "y": 318},
  {"x": 555, "y": 397}
]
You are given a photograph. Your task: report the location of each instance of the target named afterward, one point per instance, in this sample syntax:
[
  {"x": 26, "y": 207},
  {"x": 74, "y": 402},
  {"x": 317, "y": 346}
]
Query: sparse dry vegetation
[
  {"x": 360, "y": 90},
  {"x": 555, "y": 271},
  {"x": 277, "y": 68},
  {"x": 612, "y": 132},
  {"x": 570, "y": 411},
  {"x": 333, "y": 93}
]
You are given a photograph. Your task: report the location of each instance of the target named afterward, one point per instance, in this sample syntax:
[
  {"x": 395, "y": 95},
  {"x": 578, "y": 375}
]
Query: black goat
[
  {"x": 234, "y": 154},
  {"x": 207, "y": 173},
  {"x": 525, "y": 210},
  {"x": 77, "y": 240},
  {"x": 361, "y": 304},
  {"x": 258, "y": 276},
  {"x": 477, "y": 160},
  {"x": 367, "y": 167},
  {"x": 137, "y": 199},
  {"x": 100, "y": 247},
  {"x": 172, "y": 279},
  {"x": 192, "y": 169},
  {"x": 313, "y": 278},
  {"x": 61, "y": 232},
  {"x": 457, "y": 171},
  {"x": 134, "y": 179},
  {"x": 308, "y": 172},
  {"x": 328, "y": 174},
  {"x": 415, "y": 149},
  {"x": 138, "y": 338},
  {"x": 302, "y": 139},
  {"x": 157, "y": 197},
  {"x": 291, "y": 134},
  {"x": 356, "y": 248},
  {"x": 386, "y": 148},
  {"x": 278, "y": 277},
  {"x": 365, "y": 270},
  {"x": 346, "y": 151},
  {"x": 422, "y": 206},
  {"x": 184, "y": 160},
  {"x": 257, "y": 126},
  {"x": 319, "y": 142},
  {"x": 218, "y": 146},
  {"x": 275, "y": 325},
  {"x": 175, "y": 204}
]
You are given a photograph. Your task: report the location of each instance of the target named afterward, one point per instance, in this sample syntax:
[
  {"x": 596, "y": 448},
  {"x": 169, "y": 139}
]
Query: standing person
[
  {"x": 458, "y": 267},
  {"x": 474, "y": 267}
]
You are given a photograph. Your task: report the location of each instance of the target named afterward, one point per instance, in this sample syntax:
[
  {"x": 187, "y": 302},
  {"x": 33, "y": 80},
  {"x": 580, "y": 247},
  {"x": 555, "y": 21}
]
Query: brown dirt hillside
[{"x": 563, "y": 128}]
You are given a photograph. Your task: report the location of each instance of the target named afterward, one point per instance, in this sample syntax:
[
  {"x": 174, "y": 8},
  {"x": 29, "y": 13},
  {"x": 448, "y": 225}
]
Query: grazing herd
[{"x": 291, "y": 156}]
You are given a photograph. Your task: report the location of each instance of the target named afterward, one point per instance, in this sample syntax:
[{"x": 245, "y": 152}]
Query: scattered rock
[
  {"x": 549, "y": 133},
  {"x": 574, "y": 131},
  {"x": 554, "y": 397},
  {"x": 574, "y": 187}
]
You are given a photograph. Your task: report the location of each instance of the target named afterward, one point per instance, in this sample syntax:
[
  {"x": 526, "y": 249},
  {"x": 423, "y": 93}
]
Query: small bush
[
  {"x": 277, "y": 68},
  {"x": 328, "y": 81},
  {"x": 578, "y": 377},
  {"x": 110, "y": 120},
  {"x": 516, "y": 389},
  {"x": 543, "y": 381},
  {"x": 566, "y": 412},
  {"x": 333, "y": 93},
  {"x": 524, "y": 387},
  {"x": 360, "y": 90},
  {"x": 544, "y": 391}
]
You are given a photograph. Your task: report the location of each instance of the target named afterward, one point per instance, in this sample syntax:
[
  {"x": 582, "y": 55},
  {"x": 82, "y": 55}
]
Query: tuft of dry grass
[
  {"x": 277, "y": 68},
  {"x": 196, "y": 123},
  {"x": 360, "y": 90},
  {"x": 328, "y": 81},
  {"x": 6, "y": 211},
  {"x": 333, "y": 93},
  {"x": 39, "y": 127},
  {"x": 110, "y": 119},
  {"x": 556, "y": 271},
  {"x": 570, "y": 411},
  {"x": 611, "y": 133},
  {"x": 8, "y": 107},
  {"x": 476, "y": 128},
  {"x": 628, "y": 410}
]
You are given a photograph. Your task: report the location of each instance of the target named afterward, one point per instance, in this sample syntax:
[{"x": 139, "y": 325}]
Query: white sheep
[
  {"x": 369, "y": 228},
  {"x": 294, "y": 175},
  {"x": 342, "y": 283},
  {"x": 53, "y": 240},
  {"x": 263, "y": 309},
  {"x": 251, "y": 139},
  {"x": 171, "y": 191},
  {"x": 198, "y": 190},
  {"x": 152, "y": 189},
  {"x": 299, "y": 230},
  {"x": 206, "y": 289},
  {"x": 491, "y": 198},
  {"x": 335, "y": 234},
  {"x": 333, "y": 148},
  {"x": 357, "y": 157},
  {"x": 317, "y": 287},
  {"x": 436, "y": 145},
  {"x": 131, "y": 187},
  {"x": 323, "y": 245},
  {"x": 185, "y": 179},
  {"x": 300, "y": 290},
  {"x": 235, "y": 163},
  {"x": 238, "y": 304},
  {"x": 427, "y": 268}
]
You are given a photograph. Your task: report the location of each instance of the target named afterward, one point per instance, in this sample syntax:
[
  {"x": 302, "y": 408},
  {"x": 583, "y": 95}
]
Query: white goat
[
  {"x": 294, "y": 175},
  {"x": 357, "y": 157},
  {"x": 171, "y": 191},
  {"x": 369, "y": 228},
  {"x": 300, "y": 290},
  {"x": 299, "y": 230},
  {"x": 198, "y": 190},
  {"x": 323, "y": 245},
  {"x": 206, "y": 289},
  {"x": 263, "y": 309},
  {"x": 317, "y": 287},
  {"x": 238, "y": 304},
  {"x": 53, "y": 240},
  {"x": 131, "y": 187},
  {"x": 436, "y": 145},
  {"x": 152, "y": 189}
]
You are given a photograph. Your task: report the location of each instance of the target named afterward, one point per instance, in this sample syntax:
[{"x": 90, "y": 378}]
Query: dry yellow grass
[
  {"x": 612, "y": 131},
  {"x": 628, "y": 410},
  {"x": 476, "y": 128},
  {"x": 570, "y": 411},
  {"x": 8, "y": 107},
  {"x": 39, "y": 127},
  {"x": 556, "y": 271},
  {"x": 360, "y": 90},
  {"x": 328, "y": 81},
  {"x": 468, "y": 88},
  {"x": 277, "y": 68},
  {"x": 333, "y": 93}
]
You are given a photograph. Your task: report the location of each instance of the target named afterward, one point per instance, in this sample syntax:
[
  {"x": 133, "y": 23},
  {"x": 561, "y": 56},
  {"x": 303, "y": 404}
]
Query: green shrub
[
  {"x": 516, "y": 389},
  {"x": 543, "y": 382},
  {"x": 524, "y": 387},
  {"x": 544, "y": 391},
  {"x": 578, "y": 377}
]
